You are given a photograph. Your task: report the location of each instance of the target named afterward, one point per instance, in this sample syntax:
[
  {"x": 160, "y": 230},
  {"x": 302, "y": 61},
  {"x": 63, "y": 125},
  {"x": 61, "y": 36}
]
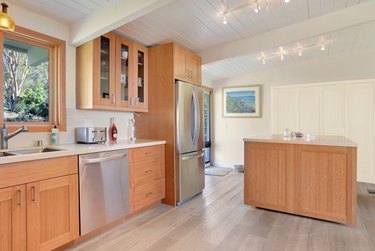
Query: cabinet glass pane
[
  {"x": 104, "y": 67},
  {"x": 124, "y": 72},
  {"x": 141, "y": 60}
]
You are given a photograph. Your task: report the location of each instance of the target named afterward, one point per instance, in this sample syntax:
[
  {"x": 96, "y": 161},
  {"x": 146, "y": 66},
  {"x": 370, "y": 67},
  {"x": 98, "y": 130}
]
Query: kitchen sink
[
  {"x": 30, "y": 151},
  {"x": 4, "y": 154}
]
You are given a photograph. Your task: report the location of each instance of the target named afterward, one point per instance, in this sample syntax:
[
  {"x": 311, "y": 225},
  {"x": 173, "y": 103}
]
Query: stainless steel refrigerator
[{"x": 189, "y": 141}]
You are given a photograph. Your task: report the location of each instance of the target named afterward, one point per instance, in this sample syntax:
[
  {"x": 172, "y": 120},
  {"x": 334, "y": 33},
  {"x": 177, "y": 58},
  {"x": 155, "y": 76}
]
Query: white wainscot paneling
[{"x": 341, "y": 109}]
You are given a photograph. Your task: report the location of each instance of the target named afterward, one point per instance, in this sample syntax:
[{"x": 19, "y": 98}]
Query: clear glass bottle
[
  {"x": 131, "y": 129},
  {"x": 112, "y": 130}
]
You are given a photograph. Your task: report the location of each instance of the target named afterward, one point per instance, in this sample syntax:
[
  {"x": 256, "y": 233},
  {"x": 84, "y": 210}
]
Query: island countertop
[{"x": 316, "y": 140}]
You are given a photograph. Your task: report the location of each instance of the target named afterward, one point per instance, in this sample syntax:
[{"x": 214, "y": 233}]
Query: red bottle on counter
[{"x": 113, "y": 131}]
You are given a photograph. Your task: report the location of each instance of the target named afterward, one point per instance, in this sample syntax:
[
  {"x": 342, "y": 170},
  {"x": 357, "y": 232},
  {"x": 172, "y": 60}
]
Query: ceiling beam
[
  {"x": 347, "y": 17},
  {"x": 111, "y": 17}
]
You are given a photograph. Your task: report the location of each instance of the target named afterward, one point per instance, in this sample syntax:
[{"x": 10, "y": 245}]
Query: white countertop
[
  {"x": 75, "y": 149},
  {"x": 317, "y": 140}
]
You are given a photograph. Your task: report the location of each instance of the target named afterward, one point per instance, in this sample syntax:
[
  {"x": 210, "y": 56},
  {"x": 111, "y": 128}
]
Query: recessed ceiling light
[
  {"x": 300, "y": 53},
  {"x": 287, "y": 1}
]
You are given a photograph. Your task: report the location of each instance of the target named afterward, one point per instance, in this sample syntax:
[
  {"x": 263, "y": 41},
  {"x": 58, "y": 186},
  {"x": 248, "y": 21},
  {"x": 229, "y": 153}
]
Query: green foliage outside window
[{"x": 26, "y": 86}]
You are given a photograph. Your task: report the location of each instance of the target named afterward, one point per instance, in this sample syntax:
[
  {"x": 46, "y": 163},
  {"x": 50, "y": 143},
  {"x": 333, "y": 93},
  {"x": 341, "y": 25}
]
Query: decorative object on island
[
  {"x": 311, "y": 178},
  {"x": 242, "y": 101}
]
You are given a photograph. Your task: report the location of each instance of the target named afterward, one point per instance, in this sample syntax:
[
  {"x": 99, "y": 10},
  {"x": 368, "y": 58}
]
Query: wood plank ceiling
[{"x": 197, "y": 25}]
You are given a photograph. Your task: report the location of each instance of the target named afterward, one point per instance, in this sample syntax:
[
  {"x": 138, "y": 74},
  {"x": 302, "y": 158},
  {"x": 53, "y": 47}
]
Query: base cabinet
[
  {"x": 310, "y": 180},
  {"x": 13, "y": 218},
  {"x": 52, "y": 212},
  {"x": 42, "y": 214},
  {"x": 268, "y": 175},
  {"x": 147, "y": 172}
]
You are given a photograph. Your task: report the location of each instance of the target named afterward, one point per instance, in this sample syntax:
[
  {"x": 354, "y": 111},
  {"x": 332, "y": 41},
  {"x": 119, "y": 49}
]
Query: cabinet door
[
  {"x": 315, "y": 196},
  {"x": 52, "y": 213},
  {"x": 332, "y": 110},
  {"x": 104, "y": 68},
  {"x": 180, "y": 62},
  {"x": 141, "y": 85},
  {"x": 13, "y": 218},
  {"x": 195, "y": 68},
  {"x": 268, "y": 175},
  {"x": 125, "y": 81}
]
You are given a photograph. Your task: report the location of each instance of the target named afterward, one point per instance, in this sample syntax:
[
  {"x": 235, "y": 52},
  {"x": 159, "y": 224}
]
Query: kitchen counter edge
[
  {"x": 317, "y": 140},
  {"x": 77, "y": 149}
]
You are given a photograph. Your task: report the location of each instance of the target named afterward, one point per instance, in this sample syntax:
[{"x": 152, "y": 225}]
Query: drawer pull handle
[
  {"x": 148, "y": 194},
  {"x": 20, "y": 198},
  {"x": 149, "y": 170},
  {"x": 33, "y": 194}
]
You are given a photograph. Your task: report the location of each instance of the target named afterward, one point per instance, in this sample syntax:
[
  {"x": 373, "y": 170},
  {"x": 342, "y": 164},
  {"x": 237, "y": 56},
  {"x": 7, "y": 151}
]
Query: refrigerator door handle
[
  {"x": 193, "y": 156},
  {"x": 196, "y": 117}
]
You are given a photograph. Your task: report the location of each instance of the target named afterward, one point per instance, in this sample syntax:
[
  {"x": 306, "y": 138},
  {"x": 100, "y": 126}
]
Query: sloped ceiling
[{"x": 238, "y": 47}]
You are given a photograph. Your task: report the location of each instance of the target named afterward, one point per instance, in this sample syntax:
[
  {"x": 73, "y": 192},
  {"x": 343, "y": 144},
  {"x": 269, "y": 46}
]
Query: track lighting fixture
[
  {"x": 253, "y": 4},
  {"x": 298, "y": 50}
]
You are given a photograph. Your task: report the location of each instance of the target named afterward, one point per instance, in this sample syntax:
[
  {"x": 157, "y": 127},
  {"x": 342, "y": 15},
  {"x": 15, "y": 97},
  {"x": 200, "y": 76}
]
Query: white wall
[
  {"x": 75, "y": 118},
  {"x": 229, "y": 132}
]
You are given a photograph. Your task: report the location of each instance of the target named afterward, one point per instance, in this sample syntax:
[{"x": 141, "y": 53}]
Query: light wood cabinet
[
  {"x": 268, "y": 175},
  {"x": 112, "y": 74},
  {"x": 147, "y": 170},
  {"x": 311, "y": 180},
  {"x": 39, "y": 211},
  {"x": 187, "y": 65},
  {"x": 13, "y": 218},
  {"x": 325, "y": 182}
]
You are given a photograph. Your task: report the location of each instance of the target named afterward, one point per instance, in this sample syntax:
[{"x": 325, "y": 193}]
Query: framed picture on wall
[{"x": 242, "y": 101}]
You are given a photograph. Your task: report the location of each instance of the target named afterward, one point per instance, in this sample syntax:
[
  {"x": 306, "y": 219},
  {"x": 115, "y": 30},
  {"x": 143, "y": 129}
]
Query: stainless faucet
[{"x": 5, "y": 137}]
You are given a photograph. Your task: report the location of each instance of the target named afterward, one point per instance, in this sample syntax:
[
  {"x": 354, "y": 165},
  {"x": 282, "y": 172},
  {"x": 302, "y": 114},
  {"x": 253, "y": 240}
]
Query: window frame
[{"x": 56, "y": 78}]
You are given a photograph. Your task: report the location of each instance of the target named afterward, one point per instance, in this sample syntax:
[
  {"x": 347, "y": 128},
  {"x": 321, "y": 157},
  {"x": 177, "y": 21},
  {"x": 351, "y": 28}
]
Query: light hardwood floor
[{"x": 219, "y": 220}]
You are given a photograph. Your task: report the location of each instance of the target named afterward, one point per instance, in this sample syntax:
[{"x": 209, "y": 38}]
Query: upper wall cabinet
[
  {"x": 187, "y": 65},
  {"x": 112, "y": 75}
]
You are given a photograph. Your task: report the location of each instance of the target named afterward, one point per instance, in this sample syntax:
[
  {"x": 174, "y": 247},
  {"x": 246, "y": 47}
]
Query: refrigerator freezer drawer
[{"x": 191, "y": 175}]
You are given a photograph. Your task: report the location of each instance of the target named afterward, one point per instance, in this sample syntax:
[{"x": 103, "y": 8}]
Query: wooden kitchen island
[{"x": 315, "y": 178}]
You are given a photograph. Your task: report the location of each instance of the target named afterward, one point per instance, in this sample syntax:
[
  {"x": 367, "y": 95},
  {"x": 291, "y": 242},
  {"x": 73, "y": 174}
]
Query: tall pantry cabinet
[{"x": 167, "y": 63}]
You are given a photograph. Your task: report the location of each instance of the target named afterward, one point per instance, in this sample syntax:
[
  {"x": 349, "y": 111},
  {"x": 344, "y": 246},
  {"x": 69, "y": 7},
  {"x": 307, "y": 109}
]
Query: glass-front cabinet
[
  {"x": 124, "y": 72},
  {"x": 112, "y": 74},
  {"x": 140, "y": 93},
  {"x": 107, "y": 71}
]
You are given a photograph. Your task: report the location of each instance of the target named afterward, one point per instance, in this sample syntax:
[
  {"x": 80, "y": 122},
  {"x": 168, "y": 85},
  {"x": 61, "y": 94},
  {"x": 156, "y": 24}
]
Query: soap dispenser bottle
[{"x": 55, "y": 136}]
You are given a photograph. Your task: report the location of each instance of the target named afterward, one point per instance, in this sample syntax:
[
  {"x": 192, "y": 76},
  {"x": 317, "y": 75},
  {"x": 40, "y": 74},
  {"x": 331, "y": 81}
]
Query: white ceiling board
[
  {"x": 342, "y": 41},
  {"x": 115, "y": 15},
  {"x": 334, "y": 21}
]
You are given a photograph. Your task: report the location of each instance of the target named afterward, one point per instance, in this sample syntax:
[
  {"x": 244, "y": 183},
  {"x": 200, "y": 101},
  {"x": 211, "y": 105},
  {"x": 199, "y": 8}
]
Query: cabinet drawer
[
  {"x": 147, "y": 171},
  {"x": 147, "y": 194},
  {"x": 146, "y": 152},
  {"x": 29, "y": 171}
]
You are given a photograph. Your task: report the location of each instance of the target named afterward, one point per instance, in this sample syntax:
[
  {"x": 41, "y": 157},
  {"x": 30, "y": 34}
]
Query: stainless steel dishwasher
[{"x": 104, "y": 188}]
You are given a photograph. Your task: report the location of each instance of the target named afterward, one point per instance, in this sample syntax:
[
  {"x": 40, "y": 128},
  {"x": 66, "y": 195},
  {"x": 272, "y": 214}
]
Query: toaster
[{"x": 91, "y": 135}]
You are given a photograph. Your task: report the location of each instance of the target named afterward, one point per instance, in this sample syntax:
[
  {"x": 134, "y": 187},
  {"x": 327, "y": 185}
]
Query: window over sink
[{"x": 33, "y": 80}]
